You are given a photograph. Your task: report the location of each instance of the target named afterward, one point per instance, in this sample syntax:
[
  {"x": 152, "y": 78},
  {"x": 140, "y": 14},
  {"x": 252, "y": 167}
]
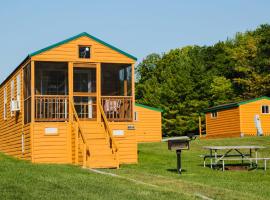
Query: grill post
[
  {"x": 178, "y": 144},
  {"x": 179, "y": 166}
]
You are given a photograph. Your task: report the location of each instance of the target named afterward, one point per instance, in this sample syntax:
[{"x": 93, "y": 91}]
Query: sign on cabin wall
[
  {"x": 51, "y": 131},
  {"x": 131, "y": 127},
  {"x": 118, "y": 132}
]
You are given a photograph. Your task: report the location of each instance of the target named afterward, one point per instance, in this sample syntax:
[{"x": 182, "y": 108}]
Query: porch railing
[
  {"x": 117, "y": 108},
  {"x": 51, "y": 108}
]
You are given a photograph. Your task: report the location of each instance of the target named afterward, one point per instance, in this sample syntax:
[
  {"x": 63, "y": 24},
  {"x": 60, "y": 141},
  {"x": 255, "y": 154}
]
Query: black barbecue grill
[{"x": 178, "y": 144}]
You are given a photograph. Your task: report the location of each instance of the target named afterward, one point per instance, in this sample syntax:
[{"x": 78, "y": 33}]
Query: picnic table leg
[
  {"x": 204, "y": 162},
  {"x": 211, "y": 164},
  {"x": 264, "y": 164},
  {"x": 216, "y": 157},
  {"x": 223, "y": 165},
  {"x": 256, "y": 156}
]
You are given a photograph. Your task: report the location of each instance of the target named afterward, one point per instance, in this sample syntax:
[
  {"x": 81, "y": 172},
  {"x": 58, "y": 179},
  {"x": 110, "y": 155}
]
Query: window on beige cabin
[
  {"x": 214, "y": 114},
  {"x": 265, "y": 109}
]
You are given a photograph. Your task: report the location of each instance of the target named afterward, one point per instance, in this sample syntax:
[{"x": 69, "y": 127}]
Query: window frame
[
  {"x": 18, "y": 89},
  {"x": 214, "y": 114},
  {"x": 262, "y": 109},
  {"x": 90, "y": 51}
]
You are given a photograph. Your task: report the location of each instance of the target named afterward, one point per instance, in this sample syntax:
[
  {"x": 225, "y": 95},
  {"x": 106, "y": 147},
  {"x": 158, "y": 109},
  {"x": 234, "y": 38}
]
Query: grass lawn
[{"x": 156, "y": 168}]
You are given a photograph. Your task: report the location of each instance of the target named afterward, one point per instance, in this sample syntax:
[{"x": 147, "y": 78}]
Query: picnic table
[{"x": 220, "y": 153}]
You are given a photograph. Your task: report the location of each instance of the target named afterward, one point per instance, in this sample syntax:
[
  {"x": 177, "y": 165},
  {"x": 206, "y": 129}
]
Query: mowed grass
[
  {"x": 23, "y": 180},
  {"x": 157, "y": 166},
  {"x": 154, "y": 177}
]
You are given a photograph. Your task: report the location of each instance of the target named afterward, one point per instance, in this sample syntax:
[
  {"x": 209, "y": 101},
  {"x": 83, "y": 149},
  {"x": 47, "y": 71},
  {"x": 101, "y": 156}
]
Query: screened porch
[{"x": 53, "y": 91}]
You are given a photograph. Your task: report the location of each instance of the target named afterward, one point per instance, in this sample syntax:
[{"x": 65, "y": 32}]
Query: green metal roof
[
  {"x": 80, "y": 35},
  {"x": 233, "y": 105},
  {"x": 149, "y": 107}
]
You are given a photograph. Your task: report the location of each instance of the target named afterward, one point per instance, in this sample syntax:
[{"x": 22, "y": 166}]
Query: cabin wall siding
[
  {"x": 248, "y": 112},
  {"x": 12, "y": 127},
  {"x": 148, "y": 125},
  {"x": 127, "y": 143},
  {"x": 69, "y": 52},
  {"x": 227, "y": 124},
  {"x": 50, "y": 148}
]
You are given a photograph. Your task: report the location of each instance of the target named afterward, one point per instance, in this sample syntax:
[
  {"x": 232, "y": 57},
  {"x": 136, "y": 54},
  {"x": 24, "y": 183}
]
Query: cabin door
[{"x": 84, "y": 90}]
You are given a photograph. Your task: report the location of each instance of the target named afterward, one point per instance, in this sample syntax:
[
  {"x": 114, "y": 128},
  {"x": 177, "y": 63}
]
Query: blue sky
[{"x": 139, "y": 27}]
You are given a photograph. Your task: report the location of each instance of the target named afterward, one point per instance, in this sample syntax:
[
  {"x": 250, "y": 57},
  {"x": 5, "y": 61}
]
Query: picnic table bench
[{"x": 216, "y": 155}]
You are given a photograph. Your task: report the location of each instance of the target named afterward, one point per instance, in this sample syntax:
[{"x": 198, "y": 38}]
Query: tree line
[{"x": 185, "y": 81}]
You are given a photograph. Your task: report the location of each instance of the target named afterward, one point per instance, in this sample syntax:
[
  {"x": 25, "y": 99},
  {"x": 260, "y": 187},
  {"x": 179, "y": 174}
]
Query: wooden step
[
  {"x": 100, "y": 141},
  {"x": 102, "y": 164}
]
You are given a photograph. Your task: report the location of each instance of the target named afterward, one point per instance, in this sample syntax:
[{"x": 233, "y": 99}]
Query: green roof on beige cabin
[{"x": 233, "y": 105}]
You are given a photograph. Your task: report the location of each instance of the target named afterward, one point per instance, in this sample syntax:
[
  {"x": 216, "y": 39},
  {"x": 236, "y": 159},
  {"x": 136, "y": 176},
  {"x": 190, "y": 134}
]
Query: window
[
  {"x": 84, "y": 51},
  {"x": 19, "y": 89},
  {"x": 214, "y": 114},
  {"x": 11, "y": 95},
  {"x": 5, "y": 103},
  {"x": 265, "y": 109},
  {"x": 135, "y": 116}
]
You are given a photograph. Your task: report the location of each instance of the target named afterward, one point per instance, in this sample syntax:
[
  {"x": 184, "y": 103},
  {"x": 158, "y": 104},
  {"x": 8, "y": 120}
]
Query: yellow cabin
[
  {"x": 72, "y": 102},
  {"x": 246, "y": 118}
]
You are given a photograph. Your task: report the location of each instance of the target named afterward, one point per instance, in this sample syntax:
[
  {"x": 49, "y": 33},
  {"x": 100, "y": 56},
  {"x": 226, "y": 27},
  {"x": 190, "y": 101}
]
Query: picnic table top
[{"x": 233, "y": 147}]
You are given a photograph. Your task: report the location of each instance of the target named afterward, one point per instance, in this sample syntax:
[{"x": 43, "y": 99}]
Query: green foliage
[{"x": 184, "y": 82}]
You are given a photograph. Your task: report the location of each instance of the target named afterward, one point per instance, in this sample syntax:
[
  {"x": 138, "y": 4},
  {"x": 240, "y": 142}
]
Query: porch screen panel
[
  {"x": 27, "y": 93},
  {"x": 116, "y": 80},
  {"x": 51, "y": 78},
  {"x": 51, "y": 91},
  {"x": 116, "y": 91}
]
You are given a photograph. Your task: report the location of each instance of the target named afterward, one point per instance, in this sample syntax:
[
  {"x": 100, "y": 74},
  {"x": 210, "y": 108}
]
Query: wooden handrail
[
  {"x": 113, "y": 145},
  {"x": 84, "y": 140},
  {"x": 78, "y": 121},
  {"x": 117, "y": 96}
]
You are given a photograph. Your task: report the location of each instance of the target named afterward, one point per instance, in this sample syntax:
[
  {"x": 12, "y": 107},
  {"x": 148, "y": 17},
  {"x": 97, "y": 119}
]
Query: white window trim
[
  {"x": 11, "y": 95},
  {"x": 262, "y": 110},
  {"x": 18, "y": 79},
  {"x": 214, "y": 117}
]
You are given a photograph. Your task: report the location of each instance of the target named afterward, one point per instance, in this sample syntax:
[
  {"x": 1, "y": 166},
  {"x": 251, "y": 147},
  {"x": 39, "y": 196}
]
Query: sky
[{"x": 138, "y": 27}]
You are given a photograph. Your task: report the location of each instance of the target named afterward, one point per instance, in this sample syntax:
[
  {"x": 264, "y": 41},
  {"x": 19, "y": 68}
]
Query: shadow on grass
[
  {"x": 232, "y": 167},
  {"x": 175, "y": 170}
]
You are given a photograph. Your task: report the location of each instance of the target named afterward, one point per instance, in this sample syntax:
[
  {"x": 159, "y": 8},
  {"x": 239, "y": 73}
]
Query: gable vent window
[
  {"x": 84, "y": 51},
  {"x": 213, "y": 114},
  {"x": 265, "y": 109}
]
